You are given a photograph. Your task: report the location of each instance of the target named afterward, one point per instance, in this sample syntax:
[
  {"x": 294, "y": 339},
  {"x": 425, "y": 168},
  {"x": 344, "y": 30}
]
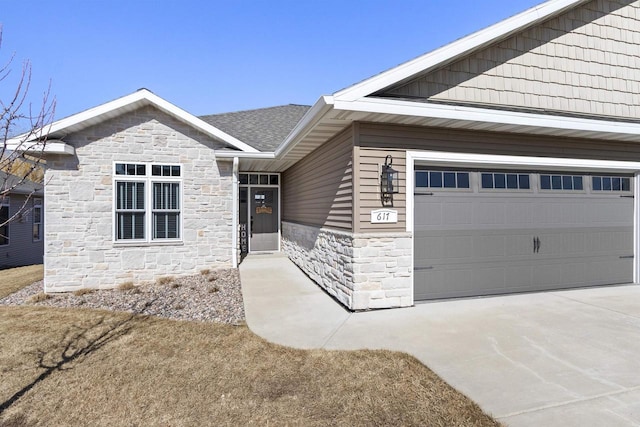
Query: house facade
[
  {"x": 22, "y": 216},
  {"x": 504, "y": 162}
]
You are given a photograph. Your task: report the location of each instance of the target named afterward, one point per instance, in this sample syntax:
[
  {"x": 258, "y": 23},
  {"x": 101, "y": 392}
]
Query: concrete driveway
[{"x": 568, "y": 358}]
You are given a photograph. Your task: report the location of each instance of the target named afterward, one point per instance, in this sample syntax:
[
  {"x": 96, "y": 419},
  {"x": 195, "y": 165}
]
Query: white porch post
[
  {"x": 234, "y": 208},
  {"x": 636, "y": 228}
]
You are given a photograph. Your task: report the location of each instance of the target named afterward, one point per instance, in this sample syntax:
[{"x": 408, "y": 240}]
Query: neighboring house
[
  {"x": 21, "y": 212},
  {"x": 513, "y": 156}
]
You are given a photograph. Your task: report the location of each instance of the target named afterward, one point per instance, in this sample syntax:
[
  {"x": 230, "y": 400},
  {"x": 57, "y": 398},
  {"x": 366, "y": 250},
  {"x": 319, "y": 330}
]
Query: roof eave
[{"x": 519, "y": 122}]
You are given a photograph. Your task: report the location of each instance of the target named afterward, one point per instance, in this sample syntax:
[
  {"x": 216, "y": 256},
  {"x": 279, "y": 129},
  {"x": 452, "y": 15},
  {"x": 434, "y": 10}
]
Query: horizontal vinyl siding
[
  {"x": 584, "y": 61},
  {"x": 370, "y": 161},
  {"x": 318, "y": 189},
  {"x": 21, "y": 250},
  {"x": 439, "y": 139},
  {"x": 375, "y": 141}
]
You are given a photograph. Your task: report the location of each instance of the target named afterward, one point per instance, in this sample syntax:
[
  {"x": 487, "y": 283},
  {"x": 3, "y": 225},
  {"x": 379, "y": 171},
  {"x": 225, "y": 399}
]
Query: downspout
[{"x": 234, "y": 209}]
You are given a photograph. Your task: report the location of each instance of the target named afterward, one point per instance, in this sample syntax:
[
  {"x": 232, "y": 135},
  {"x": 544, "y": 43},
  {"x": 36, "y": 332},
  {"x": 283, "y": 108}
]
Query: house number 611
[{"x": 384, "y": 216}]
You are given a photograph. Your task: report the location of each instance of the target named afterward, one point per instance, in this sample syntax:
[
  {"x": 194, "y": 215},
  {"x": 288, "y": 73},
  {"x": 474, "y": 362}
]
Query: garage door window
[
  {"x": 442, "y": 179},
  {"x": 610, "y": 183},
  {"x": 505, "y": 181},
  {"x": 561, "y": 182}
]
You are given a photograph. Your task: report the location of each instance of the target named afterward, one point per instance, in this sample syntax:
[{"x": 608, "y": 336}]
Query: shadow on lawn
[{"x": 78, "y": 343}]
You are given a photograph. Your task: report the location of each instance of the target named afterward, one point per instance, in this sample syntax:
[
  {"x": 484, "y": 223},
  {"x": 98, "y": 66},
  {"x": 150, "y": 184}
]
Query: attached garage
[{"x": 487, "y": 231}]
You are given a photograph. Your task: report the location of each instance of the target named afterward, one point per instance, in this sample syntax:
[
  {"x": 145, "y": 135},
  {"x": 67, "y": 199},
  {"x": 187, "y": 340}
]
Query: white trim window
[
  {"x": 5, "y": 203},
  {"x": 147, "y": 202},
  {"x": 37, "y": 220}
]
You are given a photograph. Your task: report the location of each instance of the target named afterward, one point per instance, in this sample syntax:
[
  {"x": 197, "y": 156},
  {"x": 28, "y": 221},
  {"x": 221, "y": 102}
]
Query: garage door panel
[{"x": 484, "y": 243}]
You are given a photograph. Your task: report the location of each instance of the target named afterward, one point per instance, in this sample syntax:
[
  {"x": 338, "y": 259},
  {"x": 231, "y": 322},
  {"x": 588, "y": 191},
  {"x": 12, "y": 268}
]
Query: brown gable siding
[
  {"x": 318, "y": 189},
  {"x": 585, "y": 61}
]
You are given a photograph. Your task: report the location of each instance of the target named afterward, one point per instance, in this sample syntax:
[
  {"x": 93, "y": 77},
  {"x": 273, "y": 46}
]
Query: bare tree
[{"x": 23, "y": 134}]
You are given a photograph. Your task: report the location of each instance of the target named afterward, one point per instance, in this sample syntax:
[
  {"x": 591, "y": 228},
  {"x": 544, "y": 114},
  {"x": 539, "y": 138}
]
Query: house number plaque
[{"x": 384, "y": 216}]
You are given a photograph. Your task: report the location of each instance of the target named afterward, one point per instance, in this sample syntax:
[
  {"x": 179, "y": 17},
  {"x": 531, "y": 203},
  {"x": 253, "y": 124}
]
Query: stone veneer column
[{"x": 362, "y": 271}]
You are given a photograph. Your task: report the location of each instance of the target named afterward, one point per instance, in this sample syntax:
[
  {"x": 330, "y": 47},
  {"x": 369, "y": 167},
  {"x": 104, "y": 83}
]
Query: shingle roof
[{"x": 264, "y": 129}]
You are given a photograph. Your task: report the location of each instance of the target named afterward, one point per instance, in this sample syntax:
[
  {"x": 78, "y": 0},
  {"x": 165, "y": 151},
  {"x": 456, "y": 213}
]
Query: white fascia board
[
  {"x": 486, "y": 115},
  {"x": 146, "y": 97},
  {"x": 48, "y": 147},
  {"x": 305, "y": 125},
  {"x": 258, "y": 155},
  {"x": 456, "y": 49}
]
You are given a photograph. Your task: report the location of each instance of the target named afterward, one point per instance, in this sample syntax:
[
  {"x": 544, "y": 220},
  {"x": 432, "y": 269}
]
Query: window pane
[
  {"x": 567, "y": 182},
  {"x": 596, "y": 182},
  {"x": 36, "y": 231},
  {"x": 499, "y": 180},
  {"x": 253, "y": 179},
  {"x": 166, "y": 170},
  {"x": 463, "y": 180},
  {"x": 130, "y": 226},
  {"x": 524, "y": 182},
  {"x": 512, "y": 181},
  {"x": 577, "y": 183},
  {"x": 606, "y": 183},
  {"x": 120, "y": 169},
  {"x": 615, "y": 184},
  {"x": 449, "y": 180},
  {"x": 37, "y": 215},
  {"x": 487, "y": 180},
  {"x": 264, "y": 179},
  {"x": 422, "y": 179},
  {"x": 175, "y": 170},
  {"x": 131, "y": 169},
  {"x": 244, "y": 178},
  {"x": 156, "y": 170},
  {"x": 165, "y": 225},
  {"x": 273, "y": 179},
  {"x": 545, "y": 182},
  {"x": 141, "y": 170},
  {"x": 436, "y": 179},
  {"x": 556, "y": 182},
  {"x": 626, "y": 184},
  {"x": 166, "y": 195}
]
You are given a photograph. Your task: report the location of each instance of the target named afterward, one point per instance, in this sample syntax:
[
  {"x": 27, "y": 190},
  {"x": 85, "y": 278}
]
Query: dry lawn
[
  {"x": 14, "y": 279},
  {"x": 77, "y": 367}
]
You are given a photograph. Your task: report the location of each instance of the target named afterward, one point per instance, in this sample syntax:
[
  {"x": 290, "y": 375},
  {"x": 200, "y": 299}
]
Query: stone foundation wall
[
  {"x": 80, "y": 251},
  {"x": 362, "y": 271}
]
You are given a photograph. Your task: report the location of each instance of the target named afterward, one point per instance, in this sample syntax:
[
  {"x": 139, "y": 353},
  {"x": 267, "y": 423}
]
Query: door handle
[{"x": 536, "y": 245}]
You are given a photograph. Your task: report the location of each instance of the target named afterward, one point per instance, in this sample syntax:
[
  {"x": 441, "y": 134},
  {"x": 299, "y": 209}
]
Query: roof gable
[
  {"x": 451, "y": 52},
  {"x": 582, "y": 62},
  {"x": 128, "y": 103}
]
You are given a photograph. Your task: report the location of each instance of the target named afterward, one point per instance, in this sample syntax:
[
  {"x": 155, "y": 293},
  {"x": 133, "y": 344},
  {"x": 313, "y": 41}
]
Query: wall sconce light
[{"x": 388, "y": 182}]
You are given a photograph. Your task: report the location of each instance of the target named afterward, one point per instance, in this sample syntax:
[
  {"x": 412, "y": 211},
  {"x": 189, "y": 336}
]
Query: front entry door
[{"x": 264, "y": 234}]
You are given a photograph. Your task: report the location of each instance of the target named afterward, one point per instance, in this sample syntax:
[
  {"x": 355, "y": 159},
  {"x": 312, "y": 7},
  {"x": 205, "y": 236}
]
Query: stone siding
[
  {"x": 362, "y": 271},
  {"x": 80, "y": 251}
]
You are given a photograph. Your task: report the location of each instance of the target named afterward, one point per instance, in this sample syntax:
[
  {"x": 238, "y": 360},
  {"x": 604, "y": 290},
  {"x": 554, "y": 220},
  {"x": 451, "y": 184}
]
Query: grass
[
  {"x": 14, "y": 279},
  {"x": 77, "y": 367}
]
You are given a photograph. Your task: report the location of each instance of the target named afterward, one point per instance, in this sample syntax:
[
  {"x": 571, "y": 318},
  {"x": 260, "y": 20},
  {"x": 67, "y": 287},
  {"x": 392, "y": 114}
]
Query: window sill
[{"x": 120, "y": 244}]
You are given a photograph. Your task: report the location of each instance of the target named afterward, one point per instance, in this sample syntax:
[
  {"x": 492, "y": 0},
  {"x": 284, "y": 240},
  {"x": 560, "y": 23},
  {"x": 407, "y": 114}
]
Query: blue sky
[{"x": 217, "y": 56}]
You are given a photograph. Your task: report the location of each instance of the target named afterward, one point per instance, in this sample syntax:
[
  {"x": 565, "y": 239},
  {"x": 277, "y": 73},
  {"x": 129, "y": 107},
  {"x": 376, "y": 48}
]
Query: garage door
[{"x": 495, "y": 232}]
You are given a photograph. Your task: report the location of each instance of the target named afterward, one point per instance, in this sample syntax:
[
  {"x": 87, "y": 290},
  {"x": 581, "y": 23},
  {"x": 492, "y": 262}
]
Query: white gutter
[
  {"x": 486, "y": 115},
  {"x": 225, "y": 154},
  {"x": 234, "y": 209},
  {"x": 34, "y": 147}
]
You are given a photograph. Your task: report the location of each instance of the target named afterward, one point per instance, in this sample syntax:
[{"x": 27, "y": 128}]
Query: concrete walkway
[{"x": 567, "y": 358}]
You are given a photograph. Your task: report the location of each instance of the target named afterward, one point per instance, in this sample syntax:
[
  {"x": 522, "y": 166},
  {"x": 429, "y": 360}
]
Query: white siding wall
[
  {"x": 21, "y": 250},
  {"x": 80, "y": 252},
  {"x": 585, "y": 61}
]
